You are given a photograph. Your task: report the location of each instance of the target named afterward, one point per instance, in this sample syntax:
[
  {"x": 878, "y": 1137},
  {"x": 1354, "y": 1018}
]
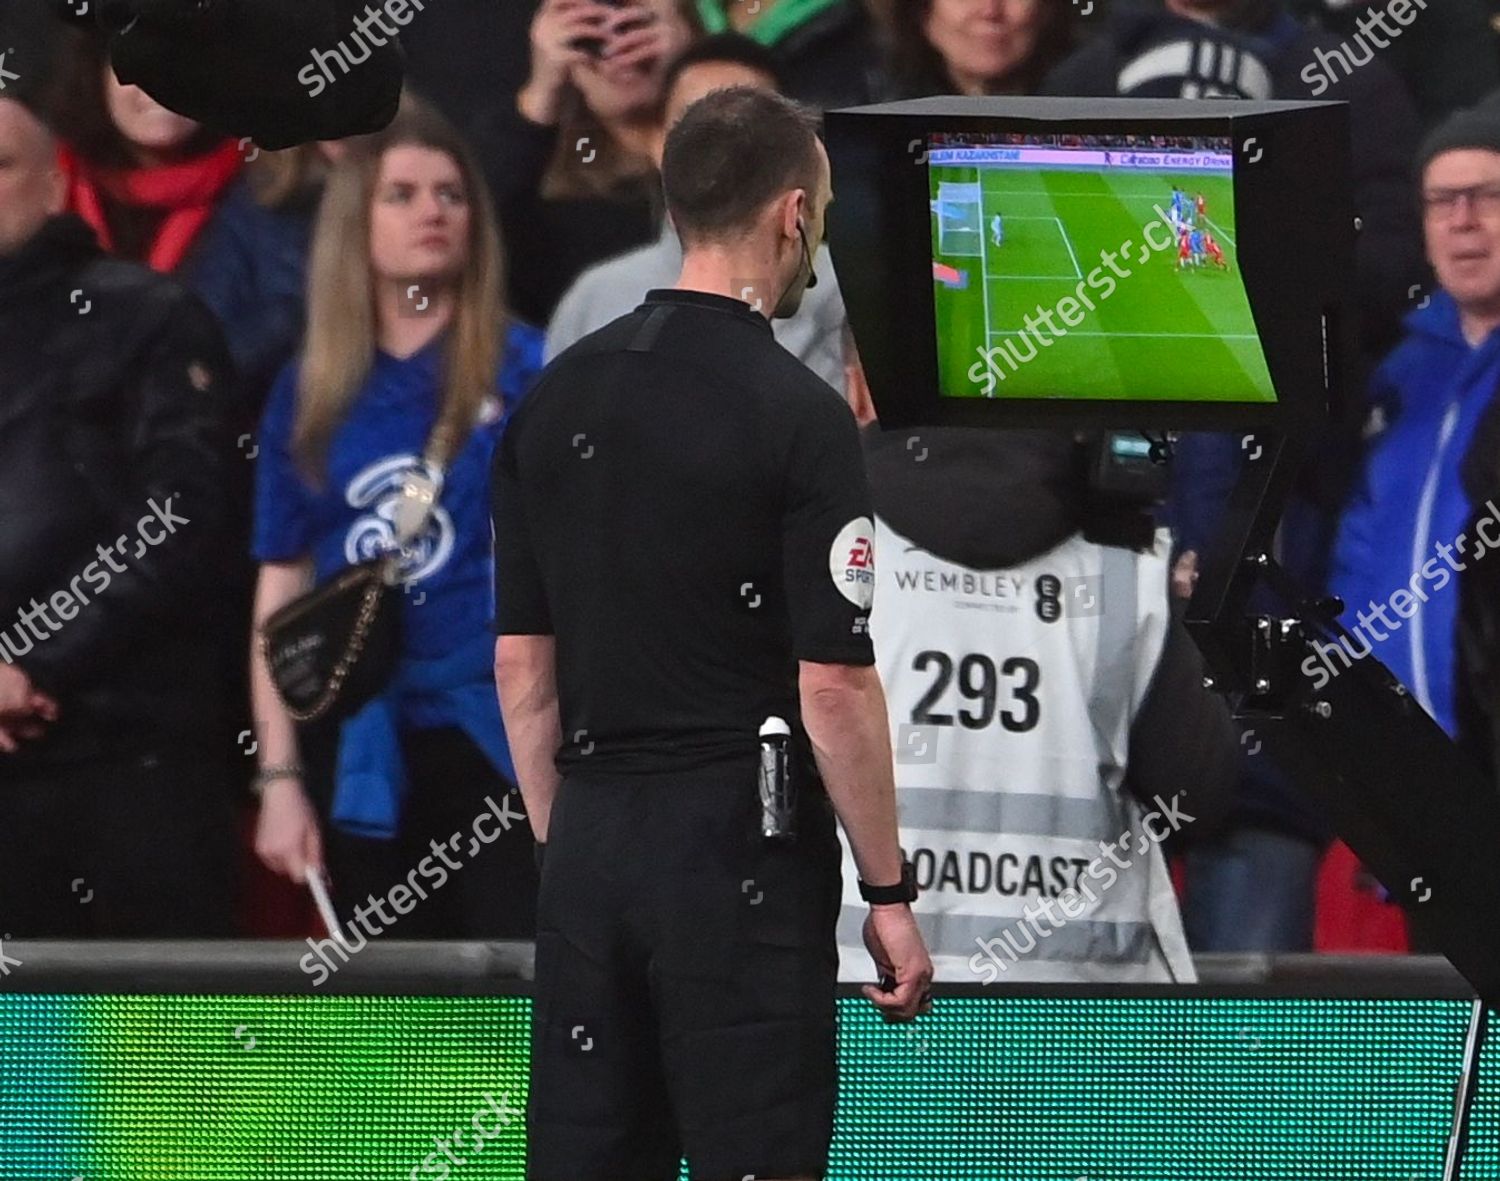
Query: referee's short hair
[{"x": 731, "y": 153}]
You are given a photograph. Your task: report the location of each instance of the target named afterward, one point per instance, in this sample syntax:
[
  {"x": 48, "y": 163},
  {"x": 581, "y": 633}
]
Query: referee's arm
[
  {"x": 844, "y": 711},
  {"x": 525, "y": 648},
  {"x": 526, "y": 677},
  {"x": 828, "y": 556},
  {"x": 828, "y": 539}
]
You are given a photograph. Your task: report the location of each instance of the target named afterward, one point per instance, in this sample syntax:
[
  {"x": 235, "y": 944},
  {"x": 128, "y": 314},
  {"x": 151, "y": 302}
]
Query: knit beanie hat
[{"x": 1476, "y": 127}]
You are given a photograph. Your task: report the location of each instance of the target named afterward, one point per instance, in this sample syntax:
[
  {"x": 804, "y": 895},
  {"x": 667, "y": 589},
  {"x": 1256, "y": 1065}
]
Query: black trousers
[
  {"x": 479, "y": 882},
  {"x": 685, "y": 980},
  {"x": 137, "y": 847}
]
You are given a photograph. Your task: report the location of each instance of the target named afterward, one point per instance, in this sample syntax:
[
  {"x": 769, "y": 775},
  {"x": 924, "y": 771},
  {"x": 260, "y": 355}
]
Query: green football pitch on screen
[{"x": 1158, "y": 329}]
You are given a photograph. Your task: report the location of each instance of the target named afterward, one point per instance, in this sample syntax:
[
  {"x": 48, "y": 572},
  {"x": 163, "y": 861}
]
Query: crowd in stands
[{"x": 191, "y": 325}]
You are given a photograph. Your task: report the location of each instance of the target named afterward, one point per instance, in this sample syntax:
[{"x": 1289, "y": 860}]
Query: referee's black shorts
[{"x": 684, "y": 994}]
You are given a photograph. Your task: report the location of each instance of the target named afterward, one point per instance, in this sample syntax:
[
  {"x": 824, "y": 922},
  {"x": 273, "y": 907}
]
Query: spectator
[
  {"x": 825, "y": 50},
  {"x": 570, "y": 162},
  {"x": 1427, "y": 398},
  {"x": 1446, "y": 56},
  {"x": 407, "y": 365},
  {"x": 612, "y": 289},
  {"x": 962, "y": 47},
  {"x": 114, "y": 810},
  {"x": 250, "y": 267},
  {"x": 145, "y": 179},
  {"x": 1057, "y": 734}
]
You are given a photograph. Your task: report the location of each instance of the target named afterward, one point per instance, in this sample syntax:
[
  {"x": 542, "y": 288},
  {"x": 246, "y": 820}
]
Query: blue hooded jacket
[{"x": 1410, "y": 504}]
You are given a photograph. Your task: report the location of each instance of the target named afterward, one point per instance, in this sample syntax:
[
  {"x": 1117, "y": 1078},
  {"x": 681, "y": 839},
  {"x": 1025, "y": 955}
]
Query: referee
[{"x": 683, "y": 549}]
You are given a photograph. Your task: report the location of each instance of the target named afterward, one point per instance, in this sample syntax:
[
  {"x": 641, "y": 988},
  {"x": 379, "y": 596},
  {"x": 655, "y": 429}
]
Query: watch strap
[{"x": 903, "y": 891}]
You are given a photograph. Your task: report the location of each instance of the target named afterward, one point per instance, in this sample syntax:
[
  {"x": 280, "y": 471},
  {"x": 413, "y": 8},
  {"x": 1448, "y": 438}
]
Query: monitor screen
[{"x": 1095, "y": 267}]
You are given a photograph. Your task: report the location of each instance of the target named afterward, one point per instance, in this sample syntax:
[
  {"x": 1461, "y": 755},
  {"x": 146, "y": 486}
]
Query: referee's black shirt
[{"x": 684, "y": 506}]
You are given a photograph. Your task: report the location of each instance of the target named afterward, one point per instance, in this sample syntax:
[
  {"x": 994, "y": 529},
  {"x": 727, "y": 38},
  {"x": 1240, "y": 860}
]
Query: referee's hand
[{"x": 896, "y": 946}]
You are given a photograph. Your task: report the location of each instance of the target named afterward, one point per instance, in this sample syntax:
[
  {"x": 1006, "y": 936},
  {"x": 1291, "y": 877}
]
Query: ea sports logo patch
[{"x": 851, "y": 562}]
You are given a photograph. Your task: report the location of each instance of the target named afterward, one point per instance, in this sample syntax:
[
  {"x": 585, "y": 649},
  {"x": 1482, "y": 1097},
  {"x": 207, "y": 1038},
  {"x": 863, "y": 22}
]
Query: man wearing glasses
[{"x": 1403, "y": 542}]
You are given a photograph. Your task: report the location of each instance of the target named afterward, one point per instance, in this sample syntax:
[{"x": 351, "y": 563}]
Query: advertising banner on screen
[{"x": 1030, "y": 157}]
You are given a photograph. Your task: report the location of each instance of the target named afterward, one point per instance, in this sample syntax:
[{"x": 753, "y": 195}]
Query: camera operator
[
  {"x": 1051, "y": 721},
  {"x": 682, "y": 536}
]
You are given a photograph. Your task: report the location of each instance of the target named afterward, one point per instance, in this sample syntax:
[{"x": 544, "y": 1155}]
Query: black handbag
[{"x": 332, "y": 650}]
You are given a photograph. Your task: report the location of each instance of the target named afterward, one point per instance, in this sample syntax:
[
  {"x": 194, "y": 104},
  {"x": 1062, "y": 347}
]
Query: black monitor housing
[{"x": 1295, "y": 225}]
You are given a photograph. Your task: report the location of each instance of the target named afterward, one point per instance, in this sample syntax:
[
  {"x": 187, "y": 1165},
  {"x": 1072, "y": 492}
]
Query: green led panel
[{"x": 998, "y": 1088}]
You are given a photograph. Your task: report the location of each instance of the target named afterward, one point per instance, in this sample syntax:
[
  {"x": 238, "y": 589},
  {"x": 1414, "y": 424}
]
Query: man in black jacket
[{"x": 114, "y": 815}]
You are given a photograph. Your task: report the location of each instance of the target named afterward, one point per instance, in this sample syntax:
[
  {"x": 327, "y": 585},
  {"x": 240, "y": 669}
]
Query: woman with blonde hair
[{"x": 408, "y": 372}]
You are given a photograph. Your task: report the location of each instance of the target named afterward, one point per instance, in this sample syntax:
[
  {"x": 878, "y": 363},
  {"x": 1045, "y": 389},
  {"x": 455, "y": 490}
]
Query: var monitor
[{"x": 1131, "y": 263}]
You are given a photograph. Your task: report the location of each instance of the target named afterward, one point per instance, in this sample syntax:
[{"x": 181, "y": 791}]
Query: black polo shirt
[{"x": 684, "y": 506}]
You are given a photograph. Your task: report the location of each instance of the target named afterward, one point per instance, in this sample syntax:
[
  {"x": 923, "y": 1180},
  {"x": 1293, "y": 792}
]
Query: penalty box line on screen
[
  {"x": 1144, "y": 257},
  {"x": 1223, "y": 233},
  {"x": 1067, "y": 242}
]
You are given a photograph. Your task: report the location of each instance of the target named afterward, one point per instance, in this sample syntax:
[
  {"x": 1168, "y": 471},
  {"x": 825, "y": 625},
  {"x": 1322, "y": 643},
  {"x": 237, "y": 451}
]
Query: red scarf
[{"x": 186, "y": 192}]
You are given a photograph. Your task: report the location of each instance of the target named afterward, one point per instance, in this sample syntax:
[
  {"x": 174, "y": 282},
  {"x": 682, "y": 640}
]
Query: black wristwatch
[{"x": 903, "y": 891}]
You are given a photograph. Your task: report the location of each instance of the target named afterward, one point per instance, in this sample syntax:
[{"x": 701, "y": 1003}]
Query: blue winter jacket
[{"x": 1409, "y": 503}]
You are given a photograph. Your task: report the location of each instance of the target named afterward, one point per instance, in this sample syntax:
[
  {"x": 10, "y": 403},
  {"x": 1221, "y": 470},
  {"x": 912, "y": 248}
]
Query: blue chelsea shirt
[{"x": 445, "y": 672}]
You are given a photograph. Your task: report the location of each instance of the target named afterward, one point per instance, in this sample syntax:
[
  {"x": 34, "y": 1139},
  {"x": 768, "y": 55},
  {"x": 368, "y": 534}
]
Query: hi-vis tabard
[{"x": 1011, "y": 697}]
